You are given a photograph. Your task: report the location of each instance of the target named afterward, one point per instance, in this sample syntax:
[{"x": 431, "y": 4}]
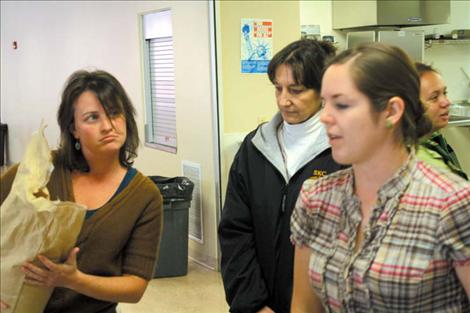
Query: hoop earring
[{"x": 77, "y": 145}]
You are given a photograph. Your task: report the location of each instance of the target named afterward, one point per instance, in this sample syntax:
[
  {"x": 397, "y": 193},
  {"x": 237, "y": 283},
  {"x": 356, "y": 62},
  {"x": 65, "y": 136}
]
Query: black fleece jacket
[{"x": 254, "y": 231}]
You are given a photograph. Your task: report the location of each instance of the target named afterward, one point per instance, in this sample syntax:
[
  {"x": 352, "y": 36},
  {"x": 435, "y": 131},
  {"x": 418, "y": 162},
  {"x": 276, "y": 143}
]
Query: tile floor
[{"x": 201, "y": 291}]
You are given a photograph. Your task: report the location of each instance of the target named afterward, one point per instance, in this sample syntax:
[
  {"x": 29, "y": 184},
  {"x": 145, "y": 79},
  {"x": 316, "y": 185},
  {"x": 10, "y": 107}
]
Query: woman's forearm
[{"x": 127, "y": 288}]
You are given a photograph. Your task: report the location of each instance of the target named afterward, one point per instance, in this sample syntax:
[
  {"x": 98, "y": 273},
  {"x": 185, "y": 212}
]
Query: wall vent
[{"x": 192, "y": 171}]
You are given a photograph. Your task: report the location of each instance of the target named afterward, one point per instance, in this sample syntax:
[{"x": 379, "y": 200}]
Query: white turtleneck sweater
[{"x": 296, "y": 141}]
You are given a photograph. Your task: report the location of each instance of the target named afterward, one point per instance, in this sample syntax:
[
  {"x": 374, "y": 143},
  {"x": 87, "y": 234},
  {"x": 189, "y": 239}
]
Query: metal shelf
[
  {"x": 459, "y": 121},
  {"x": 432, "y": 42}
]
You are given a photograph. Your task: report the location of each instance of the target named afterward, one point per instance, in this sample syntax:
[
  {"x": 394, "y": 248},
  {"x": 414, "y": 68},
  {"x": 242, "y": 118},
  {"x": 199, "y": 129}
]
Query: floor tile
[{"x": 201, "y": 291}]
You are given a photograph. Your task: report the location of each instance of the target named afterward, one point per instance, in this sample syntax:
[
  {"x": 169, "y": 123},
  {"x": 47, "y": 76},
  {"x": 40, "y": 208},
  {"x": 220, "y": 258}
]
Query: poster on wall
[{"x": 256, "y": 44}]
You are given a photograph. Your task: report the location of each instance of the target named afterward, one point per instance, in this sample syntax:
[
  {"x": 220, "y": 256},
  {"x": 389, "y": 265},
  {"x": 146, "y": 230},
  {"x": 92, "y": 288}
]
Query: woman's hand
[
  {"x": 125, "y": 288},
  {"x": 3, "y": 305},
  {"x": 53, "y": 275}
]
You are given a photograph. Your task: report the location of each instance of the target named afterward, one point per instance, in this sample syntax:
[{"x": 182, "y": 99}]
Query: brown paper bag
[{"x": 32, "y": 224}]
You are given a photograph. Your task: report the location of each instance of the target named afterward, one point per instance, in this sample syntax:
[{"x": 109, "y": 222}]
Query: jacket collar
[{"x": 266, "y": 141}]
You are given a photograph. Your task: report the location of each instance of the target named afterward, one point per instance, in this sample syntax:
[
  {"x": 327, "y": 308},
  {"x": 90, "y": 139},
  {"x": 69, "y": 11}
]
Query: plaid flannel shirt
[{"x": 419, "y": 230}]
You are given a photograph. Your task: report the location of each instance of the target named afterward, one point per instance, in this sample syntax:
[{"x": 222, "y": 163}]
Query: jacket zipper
[{"x": 284, "y": 197}]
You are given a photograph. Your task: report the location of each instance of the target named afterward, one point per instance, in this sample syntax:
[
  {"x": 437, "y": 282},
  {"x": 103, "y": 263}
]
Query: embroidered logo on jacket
[{"x": 317, "y": 174}]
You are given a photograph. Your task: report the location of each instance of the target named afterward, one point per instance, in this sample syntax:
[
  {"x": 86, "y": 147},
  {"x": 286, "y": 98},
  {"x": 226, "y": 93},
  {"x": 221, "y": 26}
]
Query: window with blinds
[
  {"x": 162, "y": 90},
  {"x": 160, "y": 82}
]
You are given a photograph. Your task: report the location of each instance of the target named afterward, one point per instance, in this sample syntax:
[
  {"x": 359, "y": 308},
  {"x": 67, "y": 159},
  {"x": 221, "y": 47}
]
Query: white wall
[
  {"x": 319, "y": 12},
  {"x": 448, "y": 59},
  {"x": 57, "y": 38}
]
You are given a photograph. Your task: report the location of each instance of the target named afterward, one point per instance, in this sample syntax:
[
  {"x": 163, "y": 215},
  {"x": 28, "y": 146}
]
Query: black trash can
[
  {"x": 3, "y": 143},
  {"x": 177, "y": 194}
]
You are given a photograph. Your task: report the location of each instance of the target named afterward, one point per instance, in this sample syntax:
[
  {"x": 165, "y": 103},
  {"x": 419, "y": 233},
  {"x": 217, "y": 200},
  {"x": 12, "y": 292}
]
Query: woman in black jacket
[{"x": 264, "y": 181}]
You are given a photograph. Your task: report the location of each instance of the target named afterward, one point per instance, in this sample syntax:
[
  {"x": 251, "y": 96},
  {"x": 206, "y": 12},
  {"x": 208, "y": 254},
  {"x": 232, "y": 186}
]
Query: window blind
[{"x": 162, "y": 91}]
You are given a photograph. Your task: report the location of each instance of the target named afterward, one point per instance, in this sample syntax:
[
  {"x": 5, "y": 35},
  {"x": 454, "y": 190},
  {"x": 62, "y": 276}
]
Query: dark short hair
[
  {"x": 422, "y": 68},
  {"x": 381, "y": 72},
  {"x": 307, "y": 59},
  {"x": 114, "y": 100}
]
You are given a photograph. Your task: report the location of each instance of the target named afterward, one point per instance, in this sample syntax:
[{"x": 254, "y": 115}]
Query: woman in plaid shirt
[{"x": 390, "y": 233}]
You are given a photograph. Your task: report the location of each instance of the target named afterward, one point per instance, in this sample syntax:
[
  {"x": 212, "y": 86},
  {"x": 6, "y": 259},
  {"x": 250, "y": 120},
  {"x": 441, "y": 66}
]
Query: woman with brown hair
[
  {"x": 389, "y": 234},
  {"x": 264, "y": 181},
  {"x": 117, "y": 247}
]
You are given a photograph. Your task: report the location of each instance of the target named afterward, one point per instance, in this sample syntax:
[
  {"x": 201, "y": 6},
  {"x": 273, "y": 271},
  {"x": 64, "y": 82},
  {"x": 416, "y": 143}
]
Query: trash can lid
[{"x": 172, "y": 188}]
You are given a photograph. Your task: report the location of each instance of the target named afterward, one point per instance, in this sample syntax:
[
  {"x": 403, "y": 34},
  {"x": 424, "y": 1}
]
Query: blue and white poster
[{"x": 256, "y": 44}]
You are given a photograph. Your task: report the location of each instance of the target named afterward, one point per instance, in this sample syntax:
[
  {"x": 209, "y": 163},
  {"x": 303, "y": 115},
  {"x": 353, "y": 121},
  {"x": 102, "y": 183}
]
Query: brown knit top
[{"x": 121, "y": 238}]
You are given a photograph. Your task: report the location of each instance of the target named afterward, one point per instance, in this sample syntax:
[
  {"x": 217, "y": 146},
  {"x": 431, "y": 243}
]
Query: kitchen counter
[
  {"x": 456, "y": 120},
  {"x": 460, "y": 113},
  {"x": 459, "y": 139}
]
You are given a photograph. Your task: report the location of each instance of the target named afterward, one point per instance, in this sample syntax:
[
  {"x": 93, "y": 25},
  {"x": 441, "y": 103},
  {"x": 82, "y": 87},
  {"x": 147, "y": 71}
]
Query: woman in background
[
  {"x": 389, "y": 234},
  {"x": 264, "y": 181},
  {"x": 116, "y": 249},
  {"x": 433, "y": 148}
]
